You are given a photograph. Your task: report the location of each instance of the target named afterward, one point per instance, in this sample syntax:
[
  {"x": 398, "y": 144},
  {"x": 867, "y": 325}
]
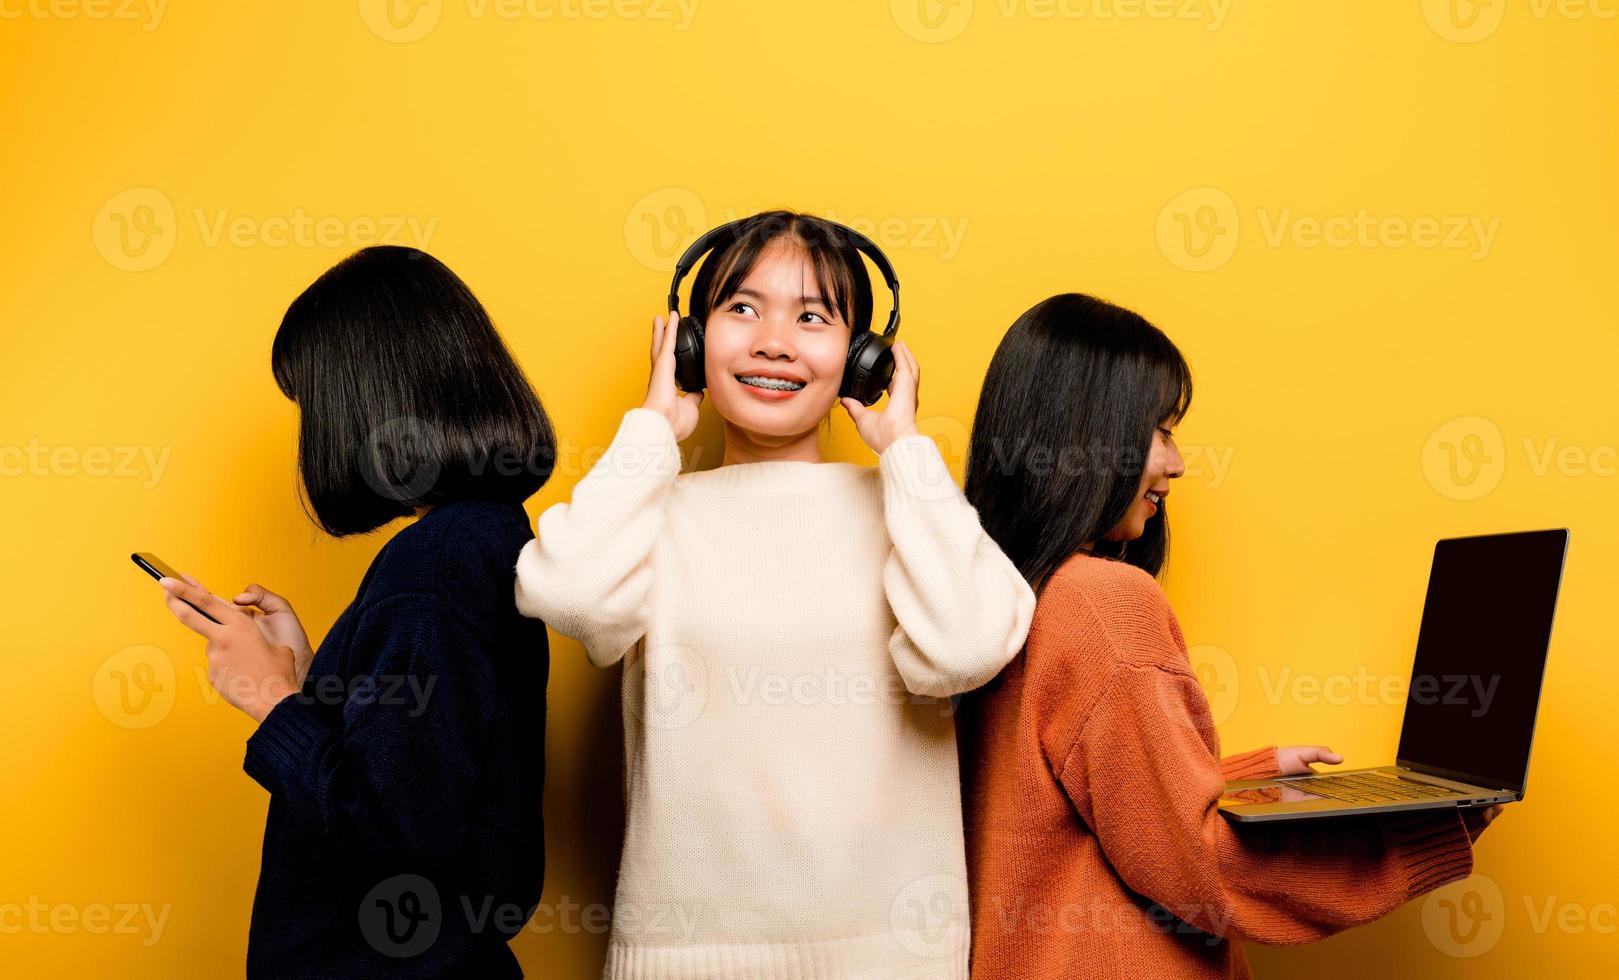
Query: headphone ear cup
[
  {"x": 869, "y": 368},
  {"x": 689, "y": 374}
]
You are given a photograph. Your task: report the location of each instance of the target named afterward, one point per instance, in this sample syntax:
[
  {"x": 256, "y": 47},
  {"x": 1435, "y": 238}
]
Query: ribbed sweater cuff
[
  {"x": 285, "y": 744},
  {"x": 1258, "y": 764},
  {"x": 1434, "y": 848},
  {"x": 913, "y": 466}
]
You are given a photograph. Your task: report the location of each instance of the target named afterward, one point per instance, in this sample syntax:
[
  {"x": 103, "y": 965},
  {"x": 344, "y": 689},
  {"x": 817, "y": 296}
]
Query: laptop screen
[{"x": 1481, "y": 652}]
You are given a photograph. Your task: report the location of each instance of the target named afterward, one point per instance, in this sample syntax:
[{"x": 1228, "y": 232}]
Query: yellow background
[{"x": 557, "y": 162}]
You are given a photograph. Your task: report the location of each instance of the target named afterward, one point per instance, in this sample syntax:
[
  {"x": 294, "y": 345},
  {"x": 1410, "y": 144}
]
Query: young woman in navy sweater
[{"x": 405, "y": 756}]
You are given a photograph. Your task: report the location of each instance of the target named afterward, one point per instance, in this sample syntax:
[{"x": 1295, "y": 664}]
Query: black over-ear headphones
[{"x": 869, "y": 366}]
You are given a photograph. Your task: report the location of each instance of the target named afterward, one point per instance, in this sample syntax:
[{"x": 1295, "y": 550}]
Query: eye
[
  {"x": 740, "y": 307},
  {"x": 1168, "y": 432},
  {"x": 818, "y": 318}
]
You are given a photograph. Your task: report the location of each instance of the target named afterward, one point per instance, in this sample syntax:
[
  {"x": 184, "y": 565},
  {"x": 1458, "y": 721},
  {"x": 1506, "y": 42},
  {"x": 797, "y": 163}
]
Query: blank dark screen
[{"x": 1481, "y": 653}]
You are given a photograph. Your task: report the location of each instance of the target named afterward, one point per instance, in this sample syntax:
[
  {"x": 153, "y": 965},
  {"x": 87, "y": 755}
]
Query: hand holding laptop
[{"x": 1470, "y": 704}]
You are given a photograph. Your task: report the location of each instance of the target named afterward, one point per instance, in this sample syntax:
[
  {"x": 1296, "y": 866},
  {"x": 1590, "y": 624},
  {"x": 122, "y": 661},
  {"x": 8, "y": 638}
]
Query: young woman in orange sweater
[{"x": 1091, "y": 763}]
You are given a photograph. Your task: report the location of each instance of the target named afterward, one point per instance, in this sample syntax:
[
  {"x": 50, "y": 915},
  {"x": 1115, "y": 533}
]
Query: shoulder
[
  {"x": 464, "y": 552},
  {"x": 1114, "y": 611}
]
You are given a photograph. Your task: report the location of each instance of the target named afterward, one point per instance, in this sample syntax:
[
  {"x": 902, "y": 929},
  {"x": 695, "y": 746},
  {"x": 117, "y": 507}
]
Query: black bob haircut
[
  {"x": 407, "y": 396},
  {"x": 839, "y": 267},
  {"x": 1064, "y": 429}
]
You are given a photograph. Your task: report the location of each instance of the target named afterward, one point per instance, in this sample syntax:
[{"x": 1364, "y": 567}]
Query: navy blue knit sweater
[{"x": 404, "y": 836}]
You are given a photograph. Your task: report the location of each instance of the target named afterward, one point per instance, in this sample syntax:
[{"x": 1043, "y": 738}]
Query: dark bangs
[{"x": 839, "y": 269}]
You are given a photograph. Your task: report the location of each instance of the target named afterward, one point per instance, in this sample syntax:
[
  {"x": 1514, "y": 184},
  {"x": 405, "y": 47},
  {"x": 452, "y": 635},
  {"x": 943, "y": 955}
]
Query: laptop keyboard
[{"x": 1369, "y": 787}]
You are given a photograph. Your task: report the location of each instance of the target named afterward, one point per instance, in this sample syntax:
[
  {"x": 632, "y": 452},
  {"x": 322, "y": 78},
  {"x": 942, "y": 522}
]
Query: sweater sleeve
[
  {"x": 386, "y": 765},
  {"x": 587, "y": 573},
  {"x": 1258, "y": 764},
  {"x": 1144, "y": 776},
  {"x": 962, "y": 606}
]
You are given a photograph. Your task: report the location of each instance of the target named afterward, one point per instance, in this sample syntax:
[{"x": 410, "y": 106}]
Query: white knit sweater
[{"x": 792, "y": 633}]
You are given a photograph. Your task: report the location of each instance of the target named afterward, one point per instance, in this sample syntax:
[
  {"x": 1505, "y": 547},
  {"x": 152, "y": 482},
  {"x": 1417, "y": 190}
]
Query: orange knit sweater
[{"x": 1094, "y": 848}]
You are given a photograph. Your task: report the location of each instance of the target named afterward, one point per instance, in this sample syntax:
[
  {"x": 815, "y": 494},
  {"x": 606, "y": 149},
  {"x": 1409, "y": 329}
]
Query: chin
[{"x": 783, "y": 420}]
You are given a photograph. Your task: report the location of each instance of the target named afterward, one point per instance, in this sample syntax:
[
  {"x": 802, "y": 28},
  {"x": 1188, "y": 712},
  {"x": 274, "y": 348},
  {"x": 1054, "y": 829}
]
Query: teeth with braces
[{"x": 775, "y": 384}]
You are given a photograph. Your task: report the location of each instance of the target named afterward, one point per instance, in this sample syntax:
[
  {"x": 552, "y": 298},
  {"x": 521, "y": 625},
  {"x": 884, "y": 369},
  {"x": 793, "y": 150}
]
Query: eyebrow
[{"x": 807, "y": 300}]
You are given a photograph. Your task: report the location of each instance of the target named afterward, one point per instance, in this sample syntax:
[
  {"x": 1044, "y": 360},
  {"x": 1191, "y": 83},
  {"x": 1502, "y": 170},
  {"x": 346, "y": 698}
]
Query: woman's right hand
[
  {"x": 278, "y": 623},
  {"x": 1475, "y": 819},
  {"x": 662, "y": 395}
]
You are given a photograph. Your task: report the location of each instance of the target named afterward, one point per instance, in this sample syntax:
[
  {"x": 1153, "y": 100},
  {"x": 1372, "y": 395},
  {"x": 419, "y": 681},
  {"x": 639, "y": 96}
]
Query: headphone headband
[{"x": 706, "y": 243}]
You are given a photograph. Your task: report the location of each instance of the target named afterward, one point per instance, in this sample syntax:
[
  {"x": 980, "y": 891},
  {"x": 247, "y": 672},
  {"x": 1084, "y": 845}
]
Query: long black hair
[
  {"x": 407, "y": 396},
  {"x": 1064, "y": 429}
]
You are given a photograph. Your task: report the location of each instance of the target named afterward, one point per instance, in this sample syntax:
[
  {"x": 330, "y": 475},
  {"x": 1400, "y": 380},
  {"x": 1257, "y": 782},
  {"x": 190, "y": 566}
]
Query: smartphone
[{"x": 158, "y": 568}]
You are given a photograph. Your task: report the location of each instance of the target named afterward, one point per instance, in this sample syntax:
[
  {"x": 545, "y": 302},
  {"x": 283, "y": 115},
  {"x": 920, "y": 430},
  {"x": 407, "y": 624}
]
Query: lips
[{"x": 771, "y": 381}]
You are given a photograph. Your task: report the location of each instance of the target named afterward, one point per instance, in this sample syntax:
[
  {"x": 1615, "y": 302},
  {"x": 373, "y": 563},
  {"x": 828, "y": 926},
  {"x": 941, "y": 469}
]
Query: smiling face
[
  {"x": 774, "y": 350},
  {"x": 1163, "y": 464}
]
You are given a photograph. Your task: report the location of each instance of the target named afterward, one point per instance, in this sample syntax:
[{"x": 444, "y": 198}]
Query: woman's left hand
[
  {"x": 1294, "y": 760},
  {"x": 881, "y": 429},
  {"x": 246, "y": 668}
]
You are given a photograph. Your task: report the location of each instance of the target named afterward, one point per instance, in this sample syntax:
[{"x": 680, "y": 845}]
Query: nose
[
  {"x": 772, "y": 340},
  {"x": 1174, "y": 466}
]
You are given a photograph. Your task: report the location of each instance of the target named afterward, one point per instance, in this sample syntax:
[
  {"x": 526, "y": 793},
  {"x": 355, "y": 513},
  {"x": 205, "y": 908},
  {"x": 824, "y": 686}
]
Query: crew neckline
[{"x": 775, "y": 477}]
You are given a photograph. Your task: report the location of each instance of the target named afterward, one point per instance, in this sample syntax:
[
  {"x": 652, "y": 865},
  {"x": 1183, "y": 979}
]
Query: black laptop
[{"x": 1475, "y": 688}]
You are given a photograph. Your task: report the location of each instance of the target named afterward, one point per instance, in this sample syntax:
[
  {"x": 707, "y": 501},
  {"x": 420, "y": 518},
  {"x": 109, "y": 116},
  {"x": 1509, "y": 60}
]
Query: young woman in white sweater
[{"x": 792, "y": 632}]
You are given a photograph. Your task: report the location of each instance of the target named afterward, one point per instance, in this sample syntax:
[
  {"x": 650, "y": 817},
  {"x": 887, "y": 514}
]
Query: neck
[{"x": 742, "y": 446}]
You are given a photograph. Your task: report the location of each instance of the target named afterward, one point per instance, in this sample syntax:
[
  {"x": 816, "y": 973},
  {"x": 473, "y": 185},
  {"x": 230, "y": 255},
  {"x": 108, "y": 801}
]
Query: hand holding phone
[{"x": 159, "y": 569}]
